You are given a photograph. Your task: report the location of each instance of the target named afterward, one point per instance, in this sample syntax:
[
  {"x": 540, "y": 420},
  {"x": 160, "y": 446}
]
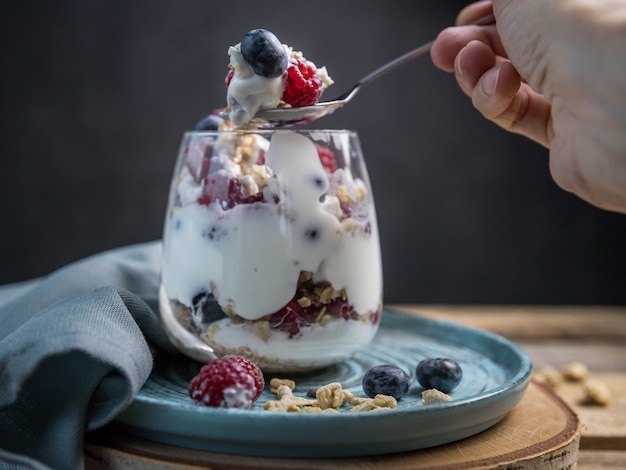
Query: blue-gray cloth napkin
[{"x": 74, "y": 352}]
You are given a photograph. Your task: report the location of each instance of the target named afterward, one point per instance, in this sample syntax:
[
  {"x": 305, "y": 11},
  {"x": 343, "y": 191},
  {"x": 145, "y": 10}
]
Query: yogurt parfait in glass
[{"x": 271, "y": 248}]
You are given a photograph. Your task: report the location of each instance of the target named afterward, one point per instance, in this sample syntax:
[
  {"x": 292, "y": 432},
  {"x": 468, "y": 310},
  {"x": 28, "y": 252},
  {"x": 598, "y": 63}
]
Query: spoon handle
[{"x": 412, "y": 54}]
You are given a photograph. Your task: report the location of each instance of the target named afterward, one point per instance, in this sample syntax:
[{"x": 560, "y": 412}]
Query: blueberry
[
  {"x": 208, "y": 123},
  {"x": 215, "y": 233},
  {"x": 264, "y": 53},
  {"x": 440, "y": 373},
  {"x": 312, "y": 234},
  {"x": 386, "y": 380},
  {"x": 318, "y": 182},
  {"x": 205, "y": 310}
]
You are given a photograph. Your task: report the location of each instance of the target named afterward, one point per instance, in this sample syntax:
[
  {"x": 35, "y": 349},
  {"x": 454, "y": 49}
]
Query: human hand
[{"x": 553, "y": 71}]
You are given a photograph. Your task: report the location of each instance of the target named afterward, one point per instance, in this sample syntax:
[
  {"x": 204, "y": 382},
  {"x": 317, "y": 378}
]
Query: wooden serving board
[{"x": 541, "y": 432}]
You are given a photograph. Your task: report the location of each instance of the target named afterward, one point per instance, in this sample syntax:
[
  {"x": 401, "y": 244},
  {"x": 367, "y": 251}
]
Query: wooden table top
[
  {"x": 557, "y": 336},
  {"x": 554, "y": 336}
]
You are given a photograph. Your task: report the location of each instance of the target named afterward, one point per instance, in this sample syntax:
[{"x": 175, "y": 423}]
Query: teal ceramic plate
[{"x": 496, "y": 373}]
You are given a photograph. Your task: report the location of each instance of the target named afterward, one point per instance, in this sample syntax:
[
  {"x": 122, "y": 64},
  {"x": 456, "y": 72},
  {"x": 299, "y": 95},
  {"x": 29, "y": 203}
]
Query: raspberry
[
  {"x": 291, "y": 318},
  {"x": 197, "y": 159},
  {"x": 252, "y": 369},
  {"x": 327, "y": 157},
  {"x": 229, "y": 191},
  {"x": 223, "y": 383},
  {"x": 229, "y": 77},
  {"x": 302, "y": 86},
  {"x": 342, "y": 309},
  {"x": 375, "y": 316}
]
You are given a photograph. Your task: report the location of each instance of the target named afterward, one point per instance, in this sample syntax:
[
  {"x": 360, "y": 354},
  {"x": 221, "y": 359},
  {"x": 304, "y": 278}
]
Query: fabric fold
[{"x": 74, "y": 352}]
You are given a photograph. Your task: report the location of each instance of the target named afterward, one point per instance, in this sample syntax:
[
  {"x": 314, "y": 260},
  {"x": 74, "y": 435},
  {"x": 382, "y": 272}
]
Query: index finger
[
  {"x": 473, "y": 12},
  {"x": 451, "y": 40}
]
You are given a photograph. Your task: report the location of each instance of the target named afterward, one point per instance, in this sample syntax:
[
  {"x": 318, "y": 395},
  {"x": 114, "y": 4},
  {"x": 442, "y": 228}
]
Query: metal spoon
[{"x": 277, "y": 117}]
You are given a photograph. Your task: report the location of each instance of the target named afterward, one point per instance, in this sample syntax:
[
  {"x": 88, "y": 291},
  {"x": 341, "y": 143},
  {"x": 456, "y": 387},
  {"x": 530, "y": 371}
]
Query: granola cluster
[
  {"x": 317, "y": 294},
  {"x": 329, "y": 398},
  {"x": 432, "y": 396}
]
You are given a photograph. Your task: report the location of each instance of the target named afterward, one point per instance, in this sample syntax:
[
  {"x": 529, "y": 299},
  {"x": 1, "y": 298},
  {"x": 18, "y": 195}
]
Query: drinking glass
[{"x": 271, "y": 248}]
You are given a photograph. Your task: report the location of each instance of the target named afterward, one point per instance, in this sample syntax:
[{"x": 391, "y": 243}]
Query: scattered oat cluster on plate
[{"x": 328, "y": 398}]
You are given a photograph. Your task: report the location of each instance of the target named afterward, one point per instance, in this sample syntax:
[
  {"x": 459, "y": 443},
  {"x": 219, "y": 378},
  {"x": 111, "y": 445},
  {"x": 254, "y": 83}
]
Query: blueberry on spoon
[{"x": 264, "y": 53}]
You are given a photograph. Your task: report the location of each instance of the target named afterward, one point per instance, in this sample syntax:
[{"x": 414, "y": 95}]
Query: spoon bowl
[
  {"x": 281, "y": 117},
  {"x": 277, "y": 117}
]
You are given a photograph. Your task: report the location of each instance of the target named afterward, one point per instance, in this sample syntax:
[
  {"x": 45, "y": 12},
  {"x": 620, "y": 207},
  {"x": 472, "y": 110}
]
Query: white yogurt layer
[
  {"x": 337, "y": 340},
  {"x": 251, "y": 255}
]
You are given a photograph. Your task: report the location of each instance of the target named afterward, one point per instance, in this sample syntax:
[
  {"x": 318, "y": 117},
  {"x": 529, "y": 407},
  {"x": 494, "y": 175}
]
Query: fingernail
[
  {"x": 457, "y": 65},
  {"x": 490, "y": 81}
]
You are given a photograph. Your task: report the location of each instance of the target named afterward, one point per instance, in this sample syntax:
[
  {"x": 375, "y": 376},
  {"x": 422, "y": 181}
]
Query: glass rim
[{"x": 266, "y": 131}]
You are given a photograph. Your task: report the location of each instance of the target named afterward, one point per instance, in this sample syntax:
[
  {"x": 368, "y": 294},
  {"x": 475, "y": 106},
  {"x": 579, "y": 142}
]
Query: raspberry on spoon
[{"x": 302, "y": 86}]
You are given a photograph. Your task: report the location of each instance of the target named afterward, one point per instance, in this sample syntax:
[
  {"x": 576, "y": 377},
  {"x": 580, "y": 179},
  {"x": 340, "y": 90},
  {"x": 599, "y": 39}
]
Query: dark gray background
[{"x": 95, "y": 96}]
